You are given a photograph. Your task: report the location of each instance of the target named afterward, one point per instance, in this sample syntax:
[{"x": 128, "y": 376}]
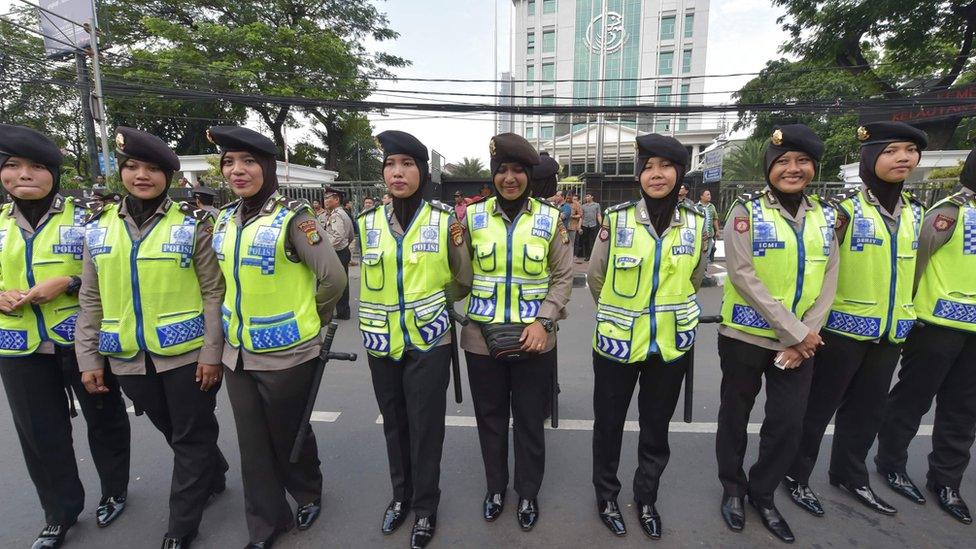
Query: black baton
[
  {"x": 455, "y": 355},
  {"x": 313, "y": 390},
  {"x": 690, "y": 371}
]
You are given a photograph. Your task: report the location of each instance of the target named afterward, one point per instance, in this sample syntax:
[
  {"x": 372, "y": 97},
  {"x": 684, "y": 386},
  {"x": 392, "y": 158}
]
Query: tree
[
  {"x": 745, "y": 163},
  {"x": 471, "y": 167},
  {"x": 897, "y": 48}
]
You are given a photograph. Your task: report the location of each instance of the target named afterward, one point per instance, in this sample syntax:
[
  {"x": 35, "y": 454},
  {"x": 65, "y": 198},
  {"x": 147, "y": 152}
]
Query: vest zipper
[
  {"x": 399, "y": 243},
  {"x": 801, "y": 253},
  {"x": 893, "y": 237},
  {"x": 655, "y": 280},
  {"x": 136, "y": 294},
  {"x": 29, "y": 258},
  {"x": 237, "y": 285},
  {"x": 508, "y": 268}
]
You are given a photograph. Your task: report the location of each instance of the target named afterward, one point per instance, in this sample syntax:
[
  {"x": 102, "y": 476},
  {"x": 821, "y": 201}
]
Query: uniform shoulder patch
[
  {"x": 563, "y": 233},
  {"x": 438, "y": 205},
  {"x": 943, "y": 223},
  {"x": 311, "y": 230},
  {"x": 457, "y": 234},
  {"x": 622, "y": 206},
  {"x": 196, "y": 213},
  {"x": 692, "y": 207},
  {"x": 367, "y": 210}
]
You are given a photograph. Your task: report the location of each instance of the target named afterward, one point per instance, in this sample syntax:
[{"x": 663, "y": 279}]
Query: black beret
[
  {"x": 889, "y": 132},
  {"x": 397, "y": 142},
  {"x": 27, "y": 143},
  {"x": 236, "y": 139},
  {"x": 205, "y": 191},
  {"x": 510, "y": 147},
  {"x": 547, "y": 168},
  {"x": 139, "y": 145},
  {"x": 653, "y": 144},
  {"x": 796, "y": 137}
]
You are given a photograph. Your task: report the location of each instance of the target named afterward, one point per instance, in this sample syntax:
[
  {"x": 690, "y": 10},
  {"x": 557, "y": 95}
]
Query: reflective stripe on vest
[
  {"x": 874, "y": 286},
  {"x": 150, "y": 294},
  {"x": 791, "y": 264},
  {"x": 402, "y": 298},
  {"x": 647, "y": 304},
  {"x": 269, "y": 304},
  {"x": 510, "y": 263},
  {"x": 54, "y": 250},
  {"x": 946, "y": 293}
]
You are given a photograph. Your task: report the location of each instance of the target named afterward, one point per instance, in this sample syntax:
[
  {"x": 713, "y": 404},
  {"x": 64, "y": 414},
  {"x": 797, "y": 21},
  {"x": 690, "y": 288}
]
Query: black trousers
[
  {"x": 519, "y": 390},
  {"x": 850, "y": 378},
  {"x": 589, "y": 237},
  {"x": 184, "y": 414},
  {"x": 660, "y": 385},
  {"x": 342, "y": 307},
  {"x": 268, "y": 407},
  {"x": 743, "y": 368},
  {"x": 35, "y": 387},
  {"x": 937, "y": 363},
  {"x": 411, "y": 395}
]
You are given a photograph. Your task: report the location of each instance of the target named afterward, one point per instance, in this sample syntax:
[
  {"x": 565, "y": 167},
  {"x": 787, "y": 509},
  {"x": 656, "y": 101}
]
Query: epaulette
[
  {"x": 546, "y": 202},
  {"x": 479, "y": 199},
  {"x": 622, "y": 206},
  {"x": 97, "y": 209},
  {"x": 915, "y": 199},
  {"x": 960, "y": 198},
  {"x": 438, "y": 205},
  {"x": 750, "y": 196},
  {"x": 843, "y": 195},
  {"x": 691, "y": 207},
  {"x": 366, "y": 211},
  {"x": 196, "y": 213},
  {"x": 85, "y": 203},
  {"x": 232, "y": 204},
  {"x": 294, "y": 204}
]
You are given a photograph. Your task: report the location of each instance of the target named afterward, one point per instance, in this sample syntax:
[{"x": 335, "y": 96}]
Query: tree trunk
[{"x": 940, "y": 131}]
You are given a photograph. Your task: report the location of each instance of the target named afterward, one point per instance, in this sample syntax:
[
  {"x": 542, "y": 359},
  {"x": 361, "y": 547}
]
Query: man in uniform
[
  {"x": 939, "y": 357},
  {"x": 205, "y": 198},
  {"x": 339, "y": 228},
  {"x": 782, "y": 261}
]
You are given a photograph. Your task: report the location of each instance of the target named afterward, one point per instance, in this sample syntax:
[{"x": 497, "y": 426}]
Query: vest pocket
[
  {"x": 432, "y": 325},
  {"x": 533, "y": 259},
  {"x": 530, "y": 301},
  {"x": 482, "y": 303},
  {"x": 486, "y": 256},
  {"x": 686, "y": 325},
  {"x": 273, "y": 332},
  {"x": 614, "y": 335},
  {"x": 108, "y": 337},
  {"x": 374, "y": 271},
  {"x": 374, "y": 326},
  {"x": 177, "y": 328},
  {"x": 625, "y": 277}
]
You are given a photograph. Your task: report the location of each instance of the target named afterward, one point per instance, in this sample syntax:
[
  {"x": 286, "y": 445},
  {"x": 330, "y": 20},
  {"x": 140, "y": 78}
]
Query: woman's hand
[
  {"x": 46, "y": 291},
  {"x": 9, "y": 300},
  {"x": 534, "y": 338},
  {"x": 94, "y": 381},
  {"x": 789, "y": 358},
  {"x": 208, "y": 375}
]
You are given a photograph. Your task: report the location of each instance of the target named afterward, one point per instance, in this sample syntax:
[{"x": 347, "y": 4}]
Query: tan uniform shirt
[
  {"x": 742, "y": 274},
  {"x": 211, "y": 288},
  {"x": 338, "y": 227},
  {"x": 57, "y": 206},
  {"x": 331, "y": 281},
  {"x": 459, "y": 261},
  {"x": 937, "y": 229},
  {"x": 560, "y": 259},
  {"x": 597, "y": 273}
]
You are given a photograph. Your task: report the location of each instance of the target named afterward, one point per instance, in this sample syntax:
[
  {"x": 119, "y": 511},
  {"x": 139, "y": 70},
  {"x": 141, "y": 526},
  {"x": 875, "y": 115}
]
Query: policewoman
[
  {"x": 872, "y": 314},
  {"x": 41, "y": 234},
  {"x": 415, "y": 265},
  {"x": 645, "y": 269},
  {"x": 939, "y": 357},
  {"x": 283, "y": 280},
  {"x": 150, "y": 302},
  {"x": 782, "y": 265},
  {"x": 522, "y": 268}
]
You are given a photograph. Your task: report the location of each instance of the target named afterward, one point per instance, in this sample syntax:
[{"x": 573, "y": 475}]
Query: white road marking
[{"x": 326, "y": 417}]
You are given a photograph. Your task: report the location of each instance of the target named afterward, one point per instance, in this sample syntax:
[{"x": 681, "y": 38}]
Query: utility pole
[
  {"x": 84, "y": 92},
  {"x": 600, "y": 118}
]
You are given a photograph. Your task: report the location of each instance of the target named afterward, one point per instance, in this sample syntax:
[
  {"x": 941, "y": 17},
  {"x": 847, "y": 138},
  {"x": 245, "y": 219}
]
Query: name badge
[
  {"x": 95, "y": 238},
  {"x": 764, "y": 238},
  {"x": 863, "y": 233}
]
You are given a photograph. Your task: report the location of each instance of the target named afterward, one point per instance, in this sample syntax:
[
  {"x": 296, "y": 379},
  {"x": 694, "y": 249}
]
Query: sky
[{"x": 453, "y": 39}]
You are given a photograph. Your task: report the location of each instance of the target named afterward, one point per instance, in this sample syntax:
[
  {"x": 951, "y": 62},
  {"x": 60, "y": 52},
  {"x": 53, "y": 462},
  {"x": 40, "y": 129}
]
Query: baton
[
  {"x": 690, "y": 371},
  {"x": 455, "y": 355},
  {"x": 313, "y": 391}
]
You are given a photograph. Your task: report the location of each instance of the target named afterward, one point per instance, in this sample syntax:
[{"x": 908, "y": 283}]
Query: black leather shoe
[
  {"x": 264, "y": 544},
  {"x": 396, "y": 513},
  {"x": 306, "y": 514},
  {"x": 650, "y": 520},
  {"x": 951, "y": 502},
  {"x": 866, "y": 496},
  {"x": 901, "y": 484},
  {"x": 611, "y": 517},
  {"x": 109, "y": 509},
  {"x": 527, "y": 513},
  {"x": 802, "y": 495},
  {"x": 423, "y": 531},
  {"x": 773, "y": 521},
  {"x": 733, "y": 513},
  {"x": 50, "y": 537},
  {"x": 177, "y": 543},
  {"x": 494, "y": 505}
]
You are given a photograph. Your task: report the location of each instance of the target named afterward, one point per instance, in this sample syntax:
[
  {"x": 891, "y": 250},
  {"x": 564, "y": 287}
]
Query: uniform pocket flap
[
  {"x": 486, "y": 249},
  {"x": 626, "y": 261},
  {"x": 372, "y": 259},
  {"x": 535, "y": 252}
]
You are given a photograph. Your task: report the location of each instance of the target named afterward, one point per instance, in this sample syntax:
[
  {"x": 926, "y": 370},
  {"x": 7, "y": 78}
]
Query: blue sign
[
  {"x": 113, "y": 164},
  {"x": 712, "y": 175}
]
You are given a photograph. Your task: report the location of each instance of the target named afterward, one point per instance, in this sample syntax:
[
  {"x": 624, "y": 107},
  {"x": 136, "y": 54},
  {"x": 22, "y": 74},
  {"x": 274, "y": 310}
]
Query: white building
[
  {"x": 289, "y": 175},
  {"x": 649, "y": 54}
]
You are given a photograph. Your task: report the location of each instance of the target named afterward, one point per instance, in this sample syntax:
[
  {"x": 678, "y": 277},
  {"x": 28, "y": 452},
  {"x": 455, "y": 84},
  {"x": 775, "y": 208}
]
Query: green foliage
[
  {"x": 745, "y": 162},
  {"x": 951, "y": 172},
  {"x": 471, "y": 167}
]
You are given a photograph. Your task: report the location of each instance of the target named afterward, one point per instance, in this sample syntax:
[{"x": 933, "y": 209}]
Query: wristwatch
[
  {"x": 548, "y": 324},
  {"x": 73, "y": 286}
]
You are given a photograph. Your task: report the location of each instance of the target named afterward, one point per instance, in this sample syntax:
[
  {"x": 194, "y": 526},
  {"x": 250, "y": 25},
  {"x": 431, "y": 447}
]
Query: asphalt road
[{"x": 357, "y": 484}]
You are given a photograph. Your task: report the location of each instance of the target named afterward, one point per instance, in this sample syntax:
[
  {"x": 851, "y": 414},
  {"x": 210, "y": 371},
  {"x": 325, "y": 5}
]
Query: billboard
[
  {"x": 956, "y": 102},
  {"x": 58, "y": 33},
  {"x": 712, "y": 167}
]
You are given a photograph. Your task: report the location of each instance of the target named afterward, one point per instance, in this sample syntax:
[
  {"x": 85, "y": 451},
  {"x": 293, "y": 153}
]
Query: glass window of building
[
  {"x": 530, "y": 7},
  {"x": 686, "y": 61},
  {"x": 548, "y": 6},
  {"x": 665, "y": 62},
  {"x": 667, "y": 28},
  {"x": 689, "y": 30},
  {"x": 683, "y": 121},
  {"x": 529, "y": 132},
  {"x": 549, "y": 41},
  {"x": 662, "y": 123},
  {"x": 548, "y": 100},
  {"x": 529, "y": 75},
  {"x": 545, "y": 132},
  {"x": 663, "y": 95},
  {"x": 548, "y": 72},
  {"x": 530, "y": 44}
]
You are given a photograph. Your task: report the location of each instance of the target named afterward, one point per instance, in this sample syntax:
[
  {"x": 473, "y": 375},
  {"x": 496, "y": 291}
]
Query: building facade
[{"x": 610, "y": 52}]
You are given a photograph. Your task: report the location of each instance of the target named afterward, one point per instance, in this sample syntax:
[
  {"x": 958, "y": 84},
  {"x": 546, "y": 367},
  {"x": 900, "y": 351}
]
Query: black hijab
[
  {"x": 251, "y": 206},
  {"x": 661, "y": 210},
  {"x": 968, "y": 175}
]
